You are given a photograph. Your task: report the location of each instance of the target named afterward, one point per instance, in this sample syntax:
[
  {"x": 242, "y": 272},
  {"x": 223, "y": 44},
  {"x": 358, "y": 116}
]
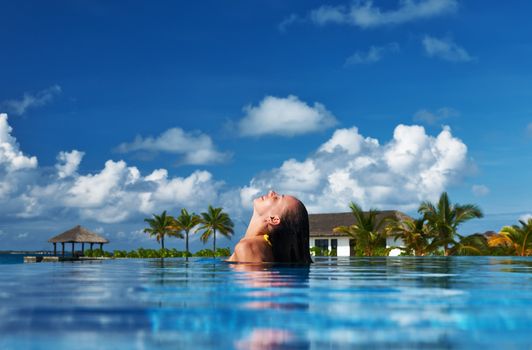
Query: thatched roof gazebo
[{"x": 77, "y": 234}]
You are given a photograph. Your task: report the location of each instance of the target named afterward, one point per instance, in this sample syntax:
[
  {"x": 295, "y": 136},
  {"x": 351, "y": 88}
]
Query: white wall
[
  {"x": 343, "y": 244},
  {"x": 391, "y": 242}
]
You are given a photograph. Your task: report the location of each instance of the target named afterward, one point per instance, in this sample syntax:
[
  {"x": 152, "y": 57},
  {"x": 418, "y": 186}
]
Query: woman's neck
[{"x": 257, "y": 226}]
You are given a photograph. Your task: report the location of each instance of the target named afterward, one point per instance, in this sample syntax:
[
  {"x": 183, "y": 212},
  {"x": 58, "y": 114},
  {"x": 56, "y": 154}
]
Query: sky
[{"x": 110, "y": 113}]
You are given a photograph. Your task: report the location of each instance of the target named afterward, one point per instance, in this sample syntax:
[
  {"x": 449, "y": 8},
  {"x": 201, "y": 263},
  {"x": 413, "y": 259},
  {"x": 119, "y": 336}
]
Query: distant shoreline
[{"x": 40, "y": 252}]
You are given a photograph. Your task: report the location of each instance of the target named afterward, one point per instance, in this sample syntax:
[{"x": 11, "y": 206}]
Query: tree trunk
[
  {"x": 214, "y": 244},
  {"x": 162, "y": 242},
  {"x": 186, "y": 242}
]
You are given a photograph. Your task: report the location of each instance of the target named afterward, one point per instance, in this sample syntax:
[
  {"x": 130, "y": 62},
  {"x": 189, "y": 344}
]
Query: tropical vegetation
[
  {"x": 514, "y": 240},
  {"x": 186, "y": 222},
  {"x": 209, "y": 223},
  {"x": 212, "y": 221},
  {"x": 443, "y": 219},
  {"x": 157, "y": 253},
  {"x": 162, "y": 226},
  {"x": 366, "y": 231},
  {"x": 414, "y": 233},
  {"x": 435, "y": 232}
]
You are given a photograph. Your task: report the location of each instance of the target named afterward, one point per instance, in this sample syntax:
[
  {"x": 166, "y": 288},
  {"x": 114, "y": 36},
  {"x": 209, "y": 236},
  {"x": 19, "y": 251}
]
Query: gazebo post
[
  {"x": 91, "y": 245},
  {"x": 82, "y": 247},
  {"x": 63, "y": 248},
  {"x": 72, "y": 248},
  {"x": 55, "y": 249},
  {"x": 101, "y": 247}
]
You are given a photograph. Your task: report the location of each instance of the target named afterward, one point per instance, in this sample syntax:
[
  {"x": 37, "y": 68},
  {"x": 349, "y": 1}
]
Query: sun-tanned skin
[{"x": 267, "y": 214}]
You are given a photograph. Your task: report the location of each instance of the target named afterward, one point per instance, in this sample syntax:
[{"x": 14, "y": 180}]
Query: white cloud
[
  {"x": 366, "y": 15},
  {"x": 22, "y": 235},
  {"x": 413, "y": 166},
  {"x": 11, "y": 158},
  {"x": 348, "y": 140},
  {"x": 195, "y": 147},
  {"x": 15, "y": 167},
  {"x": 293, "y": 18},
  {"x": 526, "y": 217},
  {"x": 374, "y": 54},
  {"x": 116, "y": 193},
  {"x": 68, "y": 163},
  {"x": 445, "y": 49},
  {"x": 397, "y": 174},
  {"x": 91, "y": 191},
  {"x": 284, "y": 116},
  {"x": 119, "y": 192},
  {"x": 329, "y": 14},
  {"x": 19, "y": 107},
  {"x": 432, "y": 118},
  {"x": 480, "y": 190}
]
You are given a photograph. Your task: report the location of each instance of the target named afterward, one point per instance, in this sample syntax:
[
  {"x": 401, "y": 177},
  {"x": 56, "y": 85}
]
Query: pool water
[{"x": 337, "y": 303}]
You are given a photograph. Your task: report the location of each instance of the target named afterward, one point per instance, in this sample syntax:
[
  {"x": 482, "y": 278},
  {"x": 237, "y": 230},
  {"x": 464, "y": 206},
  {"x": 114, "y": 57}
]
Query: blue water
[
  {"x": 338, "y": 303},
  {"x": 19, "y": 258},
  {"x": 11, "y": 259}
]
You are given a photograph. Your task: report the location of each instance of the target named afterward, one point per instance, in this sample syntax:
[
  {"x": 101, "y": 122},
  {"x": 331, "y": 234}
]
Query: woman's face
[{"x": 274, "y": 204}]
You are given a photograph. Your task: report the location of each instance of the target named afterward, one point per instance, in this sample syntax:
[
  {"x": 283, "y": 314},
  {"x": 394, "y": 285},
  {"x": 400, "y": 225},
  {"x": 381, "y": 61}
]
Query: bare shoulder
[{"x": 252, "y": 249}]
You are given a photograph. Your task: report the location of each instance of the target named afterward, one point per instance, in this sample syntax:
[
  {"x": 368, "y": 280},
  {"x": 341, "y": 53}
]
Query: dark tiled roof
[
  {"x": 323, "y": 224},
  {"x": 78, "y": 234}
]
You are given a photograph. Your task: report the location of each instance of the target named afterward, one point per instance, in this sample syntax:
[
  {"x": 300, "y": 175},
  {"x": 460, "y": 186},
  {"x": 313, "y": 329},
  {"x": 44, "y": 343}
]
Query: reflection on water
[{"x": 400, "y": 302}]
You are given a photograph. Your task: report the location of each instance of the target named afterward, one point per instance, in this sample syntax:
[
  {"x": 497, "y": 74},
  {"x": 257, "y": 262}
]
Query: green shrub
[
  {"x": 204, "y": 253},
  {"x": 119, "y": 253},
  {"x": 133, "y": 254},
  {"x": 316, "y": 251},
  {"x": 223, "y": 252}
]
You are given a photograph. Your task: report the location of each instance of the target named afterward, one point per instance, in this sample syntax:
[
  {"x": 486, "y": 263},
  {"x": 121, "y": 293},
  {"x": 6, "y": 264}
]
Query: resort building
[{"x": 323, "y": 236}]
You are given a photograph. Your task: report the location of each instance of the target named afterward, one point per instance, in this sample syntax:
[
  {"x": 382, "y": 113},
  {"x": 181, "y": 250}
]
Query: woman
[{"x": 277, "y": 232}]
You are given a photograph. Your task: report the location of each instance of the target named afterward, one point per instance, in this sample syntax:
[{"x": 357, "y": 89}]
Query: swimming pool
[{"x": 402, "y": 302}]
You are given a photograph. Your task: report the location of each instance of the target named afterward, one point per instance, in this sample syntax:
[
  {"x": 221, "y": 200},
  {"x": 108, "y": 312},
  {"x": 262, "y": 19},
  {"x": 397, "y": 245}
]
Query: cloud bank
[
  {"x": 196, "y": 148},
  {"x": 396, "y": 174},
  {"x": 19, "y": 107},
  {"x": 411, "y": 167},
  {"x": 284, "y": 117},
  {"x": 116, "y": 193}
]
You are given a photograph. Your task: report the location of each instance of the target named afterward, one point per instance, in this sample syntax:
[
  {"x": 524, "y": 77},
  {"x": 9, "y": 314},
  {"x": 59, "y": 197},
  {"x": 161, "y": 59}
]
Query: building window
[
  {"x": 334, "y": 247},
  {"x": 322, "y": 243}
]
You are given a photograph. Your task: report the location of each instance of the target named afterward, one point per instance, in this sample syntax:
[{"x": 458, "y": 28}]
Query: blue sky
[{"x": 113, "y": 112}]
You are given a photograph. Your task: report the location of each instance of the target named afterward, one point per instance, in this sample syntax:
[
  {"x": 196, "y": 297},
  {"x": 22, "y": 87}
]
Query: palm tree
[
  {"x": 161, "y": 226},
  {"x": 414, "y": 233},
  {"x": 475, "y": 244},
  {"x": 215, "y": 220},
  {"x": 186, "y": 222},
  {"x": 444, "y": 218},
  {"x": 365, "y": 230},
  {"x": 518, "y": 239}
]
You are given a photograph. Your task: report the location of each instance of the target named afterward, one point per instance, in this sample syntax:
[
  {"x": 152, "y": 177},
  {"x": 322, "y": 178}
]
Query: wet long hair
[{"x": 290, "y": 239}]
